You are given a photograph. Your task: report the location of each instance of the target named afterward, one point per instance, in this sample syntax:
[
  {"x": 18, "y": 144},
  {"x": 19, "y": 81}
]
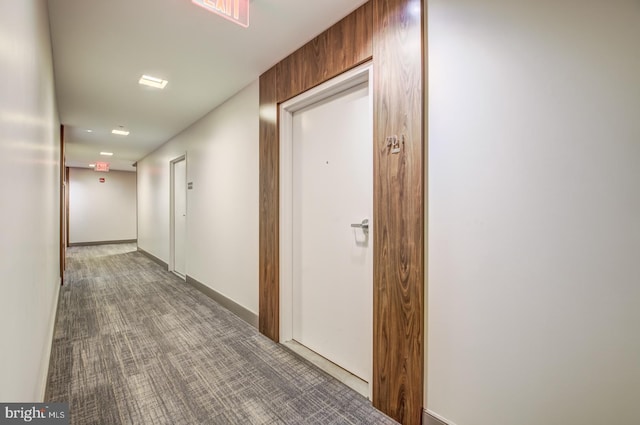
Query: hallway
[
  {"x": 135, "y": 344},
  {"x": 505, "y": 226}
]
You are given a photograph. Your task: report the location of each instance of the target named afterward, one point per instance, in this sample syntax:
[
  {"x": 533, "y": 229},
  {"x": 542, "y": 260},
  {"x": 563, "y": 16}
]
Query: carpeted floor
[{"x": 136, "y": 345}]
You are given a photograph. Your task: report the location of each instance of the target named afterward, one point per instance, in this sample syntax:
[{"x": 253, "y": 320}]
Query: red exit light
[
  {"x": 102, "y": 166},
  {"x": 236, "y": 11}
]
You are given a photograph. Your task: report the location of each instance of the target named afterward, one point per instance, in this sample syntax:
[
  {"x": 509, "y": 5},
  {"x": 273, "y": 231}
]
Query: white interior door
[
  {"x": 332, "y": 262},
  {"x": 179, "y": 216}
]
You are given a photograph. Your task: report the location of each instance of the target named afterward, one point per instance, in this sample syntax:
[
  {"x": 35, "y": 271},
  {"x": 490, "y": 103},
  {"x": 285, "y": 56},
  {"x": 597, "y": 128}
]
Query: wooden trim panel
[
  {"x": 398, "y": 295},
  {"x": 269, "y": 245},
  {"x": 66, "y": 207},
  {"x": 63, "y": 214},
  {"x": 341, "y": 47}
]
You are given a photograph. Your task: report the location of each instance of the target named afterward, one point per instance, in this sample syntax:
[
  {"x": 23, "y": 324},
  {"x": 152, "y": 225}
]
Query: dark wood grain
[
  {"x": 63, "y": 233},
  {"x": 66, "y": 206},
  {"x": 341, "y": 47},
  {"x": 269, "y": 258},
  {"x": 398, "y": 359}
]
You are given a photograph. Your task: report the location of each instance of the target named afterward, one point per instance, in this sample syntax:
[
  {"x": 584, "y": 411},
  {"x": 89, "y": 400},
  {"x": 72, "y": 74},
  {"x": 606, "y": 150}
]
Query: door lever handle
[{"x": 364, "y": 225}]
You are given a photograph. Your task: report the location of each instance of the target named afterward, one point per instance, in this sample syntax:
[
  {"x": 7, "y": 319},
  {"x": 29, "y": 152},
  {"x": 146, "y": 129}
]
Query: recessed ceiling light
[
  {"x": 150, "y": 81},
  {"x": 120, "y": 132},
  {"x": 92, "y": 165},
  {"x": 89, "y": 131},
  {"x": 106, "y": 153}
]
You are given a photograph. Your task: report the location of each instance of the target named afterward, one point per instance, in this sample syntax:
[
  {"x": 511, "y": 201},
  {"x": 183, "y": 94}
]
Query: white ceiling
[{"x": 102, "y": 47}]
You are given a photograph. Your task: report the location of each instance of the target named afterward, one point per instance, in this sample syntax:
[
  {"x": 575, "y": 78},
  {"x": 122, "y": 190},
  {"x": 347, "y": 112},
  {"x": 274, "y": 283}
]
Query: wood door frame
[
  {"x": 389, "y": 32},
  {"x": 172, "y": 208}
]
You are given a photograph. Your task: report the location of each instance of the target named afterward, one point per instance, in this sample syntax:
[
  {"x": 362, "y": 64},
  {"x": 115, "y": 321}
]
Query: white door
[
  {"x": 332, "y": 185},
  {"x": 179, "y": 216}
]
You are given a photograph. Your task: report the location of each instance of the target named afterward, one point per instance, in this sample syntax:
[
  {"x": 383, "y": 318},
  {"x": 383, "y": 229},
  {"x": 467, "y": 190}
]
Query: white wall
[
  {"x": 222, "y": 207},
  {"x": 100, "y": 212},
  {"x": 29, "y": 212},
  {"x": 534, "y": 219}
]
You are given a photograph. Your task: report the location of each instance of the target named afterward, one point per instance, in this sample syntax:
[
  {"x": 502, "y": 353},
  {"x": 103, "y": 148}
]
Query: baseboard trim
[
  {"x": 430, "y": 418},
  {"x": 103, "y": 242},
  {"x": 225, "y": 302},
  {"x": 153, "y": 258},
  {"x": 49, "y": 350}
]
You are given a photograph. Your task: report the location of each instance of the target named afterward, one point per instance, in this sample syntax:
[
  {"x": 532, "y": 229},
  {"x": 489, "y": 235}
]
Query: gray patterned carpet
[{"x": 135, "y": 345}]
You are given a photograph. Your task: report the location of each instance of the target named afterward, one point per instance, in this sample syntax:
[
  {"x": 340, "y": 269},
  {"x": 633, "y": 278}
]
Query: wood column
[
  {"x": 64, "y": 188},
  {"x": 398, "y": 296},
  {"x": 269, "y": 262}
]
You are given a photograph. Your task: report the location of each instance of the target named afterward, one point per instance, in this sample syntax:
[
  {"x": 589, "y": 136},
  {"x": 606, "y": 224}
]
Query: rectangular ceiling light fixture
[
  {"x": 120, "y": 132},
  {"x": 148, "y": 80},
  {"x": 106, "y": 153},
  {"x": 236, "y": 11}
]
